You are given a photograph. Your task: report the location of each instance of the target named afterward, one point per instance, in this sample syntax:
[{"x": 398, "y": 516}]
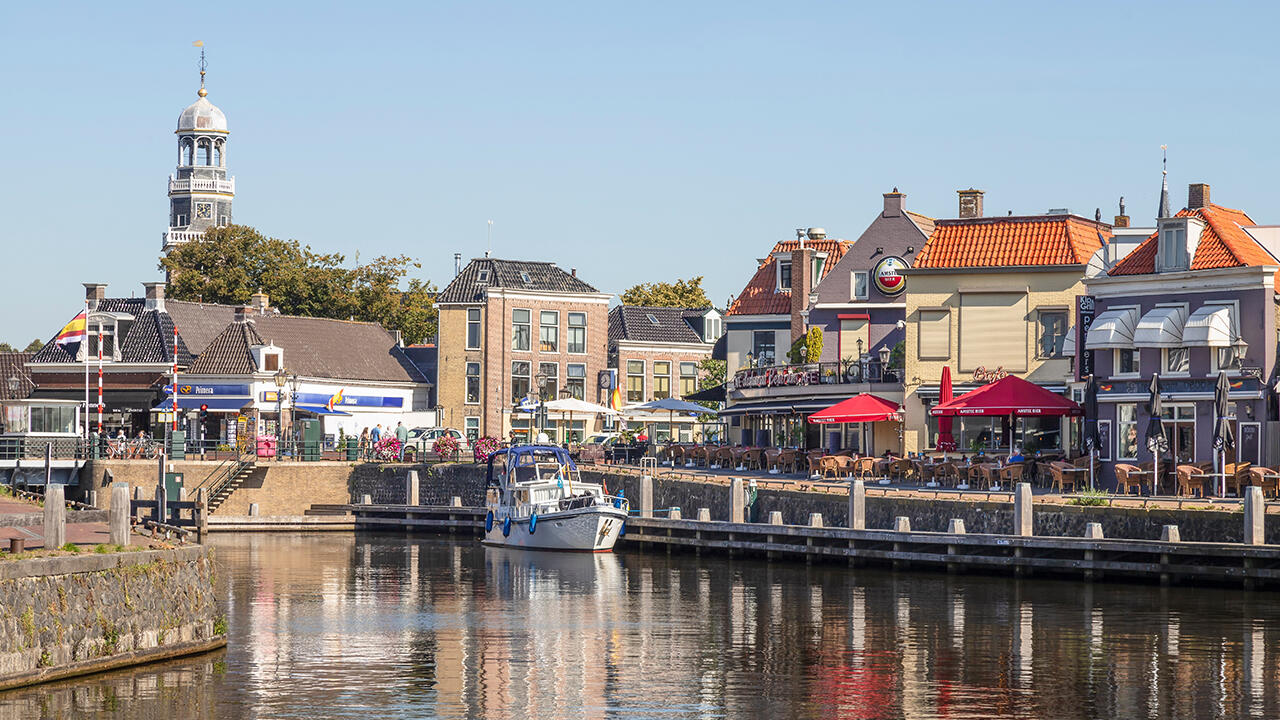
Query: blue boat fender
[
  {"x": 622, "y": 529},
  {"x": 506, "y": 526},
  {"x": 488, "y": 522},
  {"x": 533, "y": 523}
]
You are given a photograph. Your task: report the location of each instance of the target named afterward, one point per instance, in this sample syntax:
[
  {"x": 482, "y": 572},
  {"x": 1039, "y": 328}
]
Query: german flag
[{"x": 73, "y": 332}]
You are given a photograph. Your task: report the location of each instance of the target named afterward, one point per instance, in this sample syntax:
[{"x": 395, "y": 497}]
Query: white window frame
[
  {"x": 626, "y": 388},
  {"x": 568, "y": 376},
  {"x": 470, "y": 424},
  {"x": 866, "y": 284},
  {"x": 1165, "y": 372},
  {"x": 667, "y": 376},
  {"x": 1115, "y": 363},
  {"x": 466, "y": 376},
  {"x": 1121, "y": 424},
  {"x": 528, "y": 324},
  {"x": 568, "y": 343},
  {"x": 1235, "y": 332},
  {"x": 778, "y": 273},
  {"x": 476, "y": 322},
  {"x": 554, "y": 326},
  {"x": 1066, "y": 312}
]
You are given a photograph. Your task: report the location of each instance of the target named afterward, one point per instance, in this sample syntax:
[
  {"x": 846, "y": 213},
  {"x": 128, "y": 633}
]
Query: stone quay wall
[
  {"x": 437, "y": 484},
  {"x": 72, "y": 615}
]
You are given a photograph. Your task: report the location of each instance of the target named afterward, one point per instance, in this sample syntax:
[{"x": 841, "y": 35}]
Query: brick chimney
[
  {"x": 970, "y": 203},
  {"x": 260, "y": 302},
  {"x": 155, "y": 295},
  {"x": 95, "y": 293},
  {"x": 244, "y": 313},
  {"x": 893, "y": 204},
  {"x": 1197, "y": 195},
  {"x": 801, "y": 284}
]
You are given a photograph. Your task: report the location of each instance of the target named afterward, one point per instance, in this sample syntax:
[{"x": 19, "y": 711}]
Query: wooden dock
[{"x": 1158, "y": 561}]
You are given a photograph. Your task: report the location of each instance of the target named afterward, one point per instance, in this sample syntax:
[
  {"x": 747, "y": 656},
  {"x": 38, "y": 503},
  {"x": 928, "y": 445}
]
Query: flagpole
[
  {"x": 175, "y": 377},
  {"x": 84, "y": 343},
  {"x": 99, "y": 378}
]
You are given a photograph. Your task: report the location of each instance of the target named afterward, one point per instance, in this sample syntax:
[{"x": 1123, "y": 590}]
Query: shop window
[
  {"x": 1180, "y": 429},
  {"x": 1127, "y": 437}
]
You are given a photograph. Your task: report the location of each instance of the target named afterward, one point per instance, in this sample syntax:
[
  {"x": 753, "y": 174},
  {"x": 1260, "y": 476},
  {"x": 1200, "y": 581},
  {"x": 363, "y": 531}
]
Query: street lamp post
[
  {"x": 14, "y": 384},
  {"x": 541, "y": 379},
  {"x": 280, "y": 378}
]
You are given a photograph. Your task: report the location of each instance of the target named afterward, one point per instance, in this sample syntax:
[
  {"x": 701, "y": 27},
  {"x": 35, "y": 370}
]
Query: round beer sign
[{"x": 888, "y": 279}]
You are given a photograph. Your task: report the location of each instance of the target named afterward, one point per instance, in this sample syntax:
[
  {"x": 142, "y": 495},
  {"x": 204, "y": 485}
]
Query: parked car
[{"x": 423, "y": 440}]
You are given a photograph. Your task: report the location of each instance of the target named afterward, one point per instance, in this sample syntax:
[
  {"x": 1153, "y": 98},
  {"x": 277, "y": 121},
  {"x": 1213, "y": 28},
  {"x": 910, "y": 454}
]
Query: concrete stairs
[{"x": 237, "y": 475}]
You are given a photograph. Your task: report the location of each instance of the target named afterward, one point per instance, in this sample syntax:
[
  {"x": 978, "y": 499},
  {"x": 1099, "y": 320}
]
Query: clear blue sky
[{"x": 636, "y": 142}]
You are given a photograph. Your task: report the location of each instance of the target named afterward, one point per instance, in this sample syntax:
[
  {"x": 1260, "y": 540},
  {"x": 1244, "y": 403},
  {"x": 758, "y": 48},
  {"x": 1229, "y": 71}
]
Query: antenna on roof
[
  {"x": 488, "y": 247},
  {"x": 1164, "y": 182},
  {"x": 203, "y": 65}
]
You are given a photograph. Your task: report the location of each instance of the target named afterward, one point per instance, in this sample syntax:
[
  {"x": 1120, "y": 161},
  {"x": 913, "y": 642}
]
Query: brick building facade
[{"x": 502, "y": 322}]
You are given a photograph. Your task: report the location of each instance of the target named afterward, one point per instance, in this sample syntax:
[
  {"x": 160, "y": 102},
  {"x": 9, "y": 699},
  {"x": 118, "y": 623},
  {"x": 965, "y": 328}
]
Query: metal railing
[
  {"x": 227, "y": 186},
  {"x": 826, "y": 373},
  {"x": 36, "y": 447}
]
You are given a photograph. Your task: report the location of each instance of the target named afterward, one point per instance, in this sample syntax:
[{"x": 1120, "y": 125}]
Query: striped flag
[{"x": 73, "y": 332}]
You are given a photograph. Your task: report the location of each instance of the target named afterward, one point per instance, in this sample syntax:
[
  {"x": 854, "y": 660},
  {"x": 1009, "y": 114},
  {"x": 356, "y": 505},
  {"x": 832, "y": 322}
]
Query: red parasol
[
  {"x": 859, "y": 408},
  {"x": 946, "y": 442}
]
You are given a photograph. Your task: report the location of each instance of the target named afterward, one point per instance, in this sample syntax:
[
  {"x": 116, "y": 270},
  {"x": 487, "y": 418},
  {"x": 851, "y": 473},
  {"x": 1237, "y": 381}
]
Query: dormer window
[
  {"x": 484, "y": 276},
  {"x": 784, "y": 275},
  {"x": 1177, "y": 240},
  {"x": 269, "y": 358},
  {"x": 270, "y": 362}
]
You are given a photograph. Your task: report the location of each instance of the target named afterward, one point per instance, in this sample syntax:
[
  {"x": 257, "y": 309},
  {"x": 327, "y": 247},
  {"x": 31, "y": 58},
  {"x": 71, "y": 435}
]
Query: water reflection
[{"x": 387, "y": 626}]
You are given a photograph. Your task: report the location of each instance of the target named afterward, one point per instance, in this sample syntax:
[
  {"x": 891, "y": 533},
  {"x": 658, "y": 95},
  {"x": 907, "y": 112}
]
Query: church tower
[{"x": 200, "y": 193}]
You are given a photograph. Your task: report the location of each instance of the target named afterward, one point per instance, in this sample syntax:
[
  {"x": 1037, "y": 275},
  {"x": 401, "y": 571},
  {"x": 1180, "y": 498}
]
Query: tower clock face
[{"x": 204, "y": 211}]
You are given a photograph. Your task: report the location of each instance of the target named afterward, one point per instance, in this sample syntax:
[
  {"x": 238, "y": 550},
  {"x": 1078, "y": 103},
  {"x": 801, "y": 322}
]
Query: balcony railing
[
  {"x": 199, "y": 184},
  {"x": 828, "y": 373},
  {"x": 177, "y": 237}
]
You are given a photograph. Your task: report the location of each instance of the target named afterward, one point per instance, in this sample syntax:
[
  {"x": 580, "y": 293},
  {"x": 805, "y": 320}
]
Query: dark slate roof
[
  {"x": 425, "y": 357},
  {"x": 340, "y": 349},
  {"x": 631, "y": 322},
  {"x": 200, "y": 323},
  {"x": 229, "y": 353},
  {"x": 149, "y": 338},
  {"x": 14, "y": 364},
  {"x": 543, "y": 277}
]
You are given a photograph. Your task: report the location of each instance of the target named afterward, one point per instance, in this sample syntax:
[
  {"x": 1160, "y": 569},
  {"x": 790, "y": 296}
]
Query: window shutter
[
  {"x": 993, "y": 331},
  {"x": 935, "y": 334}
]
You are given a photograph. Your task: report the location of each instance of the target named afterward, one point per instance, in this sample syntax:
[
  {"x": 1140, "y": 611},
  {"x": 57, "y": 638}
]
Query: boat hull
[{"x": 590, "y": 529}]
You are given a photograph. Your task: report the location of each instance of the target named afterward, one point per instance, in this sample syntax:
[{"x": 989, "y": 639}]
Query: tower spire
[
  {"x": 203, "y": 65},
  {"x": 1164, "y": 182}
]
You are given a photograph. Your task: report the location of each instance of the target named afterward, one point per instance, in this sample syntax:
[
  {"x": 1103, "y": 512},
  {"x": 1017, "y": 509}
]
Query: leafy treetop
[
  {"x": 230, "y": 263},
  {"x": 681, "y": 294}
]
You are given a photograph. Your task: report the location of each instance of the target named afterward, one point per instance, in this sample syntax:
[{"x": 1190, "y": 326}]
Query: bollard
[
  {"x": 1022, "y": 510},
  {"x": 253, "y": 509},
  {"x": 646, "y": 496},
  {"x": 118, "y": 516},
  {"x": 55, "y": 517},
  {"x": 1255, "y": 514},
  {"x": 16, "y": 545},
  {"x": 775, "y": 517},
  {"x": 202, "y": 514},
  {"x": 704, "y": 514},
  {"x": 1093, "y": 531},
  {"x": 858, "y": 506},
  {"x": 674, "y": 514},
  {"x": 902, "y": 524},
  {"x": 737, "y": 500},
  {"x": 162, "y": 504},
  {"x": 366, "y": 499},
  {"x": 1170, "y": 534},
  {"x": 411, "y": 488},
  {"x": 815, "y": 520},
  {"x": 455, "y": 502},
  {"x": 956, "y": 526}
]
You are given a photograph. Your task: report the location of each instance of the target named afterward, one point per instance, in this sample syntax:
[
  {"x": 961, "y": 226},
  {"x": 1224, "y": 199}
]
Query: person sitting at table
[{"x": 1016, "y": 456}]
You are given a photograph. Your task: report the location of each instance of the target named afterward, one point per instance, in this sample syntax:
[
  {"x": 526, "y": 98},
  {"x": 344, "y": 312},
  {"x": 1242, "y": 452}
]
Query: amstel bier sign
[{"x": 887, "y": 275}]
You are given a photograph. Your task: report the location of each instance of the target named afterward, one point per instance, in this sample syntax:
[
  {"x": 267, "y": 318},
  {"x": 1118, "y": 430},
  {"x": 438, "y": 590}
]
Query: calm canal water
[{"x": 335, "y": 626}]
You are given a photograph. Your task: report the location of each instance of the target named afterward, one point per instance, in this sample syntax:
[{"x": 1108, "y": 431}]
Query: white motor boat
[{"x": 537, "y": 500}]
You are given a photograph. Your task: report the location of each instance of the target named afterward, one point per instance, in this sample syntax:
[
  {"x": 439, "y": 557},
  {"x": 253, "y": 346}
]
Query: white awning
[
  {"x": 1069, "y": 343},
  {"x": 1112, "y": 329},
  {"x": 1161, "y": 328},
  {"x": 1210, "y": 326}
]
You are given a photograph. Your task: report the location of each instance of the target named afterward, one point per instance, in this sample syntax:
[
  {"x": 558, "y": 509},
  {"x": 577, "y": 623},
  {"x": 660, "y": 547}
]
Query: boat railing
[{"x": 542, "y": 507}]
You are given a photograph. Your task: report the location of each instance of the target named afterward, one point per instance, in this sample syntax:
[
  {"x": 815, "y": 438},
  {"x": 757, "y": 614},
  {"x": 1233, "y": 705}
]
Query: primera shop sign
[{"x": 779, "y": 377}]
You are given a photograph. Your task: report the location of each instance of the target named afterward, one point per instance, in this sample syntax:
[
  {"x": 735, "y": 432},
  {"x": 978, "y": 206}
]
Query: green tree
[
  {"x": 230, "y": 263},
  {"x": 6, "y": 347},
  {"x": 34, "y": 346},
  {"x": 713, "y": 373},
  {"x": 681, "y": 294},
  {"x": 813, "y": 345}
]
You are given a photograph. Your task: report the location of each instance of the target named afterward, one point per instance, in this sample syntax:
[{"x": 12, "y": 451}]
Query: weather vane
[{"x": 203, "y": 65}]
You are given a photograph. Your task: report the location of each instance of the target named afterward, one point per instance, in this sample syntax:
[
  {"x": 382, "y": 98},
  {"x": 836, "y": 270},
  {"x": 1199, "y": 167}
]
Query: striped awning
[
  {"x": 1112, "y": 329},
  {"x": 1161, "y": 328},
  {"x": 1210, "y": 326}
]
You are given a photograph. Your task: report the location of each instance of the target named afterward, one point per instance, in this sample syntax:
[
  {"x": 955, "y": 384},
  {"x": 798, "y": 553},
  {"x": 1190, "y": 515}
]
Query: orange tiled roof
[
  {"x": 761, "y": 295},
  {"x": 1223, "y": 244},
  {"x": 1011, "y": 241}
]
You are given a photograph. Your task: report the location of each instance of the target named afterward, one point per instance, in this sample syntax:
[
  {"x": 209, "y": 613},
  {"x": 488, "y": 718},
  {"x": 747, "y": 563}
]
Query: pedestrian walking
[
  {"x": 402, "y": 435},
  {"x": 364, "y": 443}
]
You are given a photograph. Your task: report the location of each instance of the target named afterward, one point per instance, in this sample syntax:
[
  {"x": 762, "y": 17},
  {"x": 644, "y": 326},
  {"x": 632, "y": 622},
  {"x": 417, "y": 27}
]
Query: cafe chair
[
  {"x": 1187, "y": 484},
  {"x": 1123, "y": 482}
]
